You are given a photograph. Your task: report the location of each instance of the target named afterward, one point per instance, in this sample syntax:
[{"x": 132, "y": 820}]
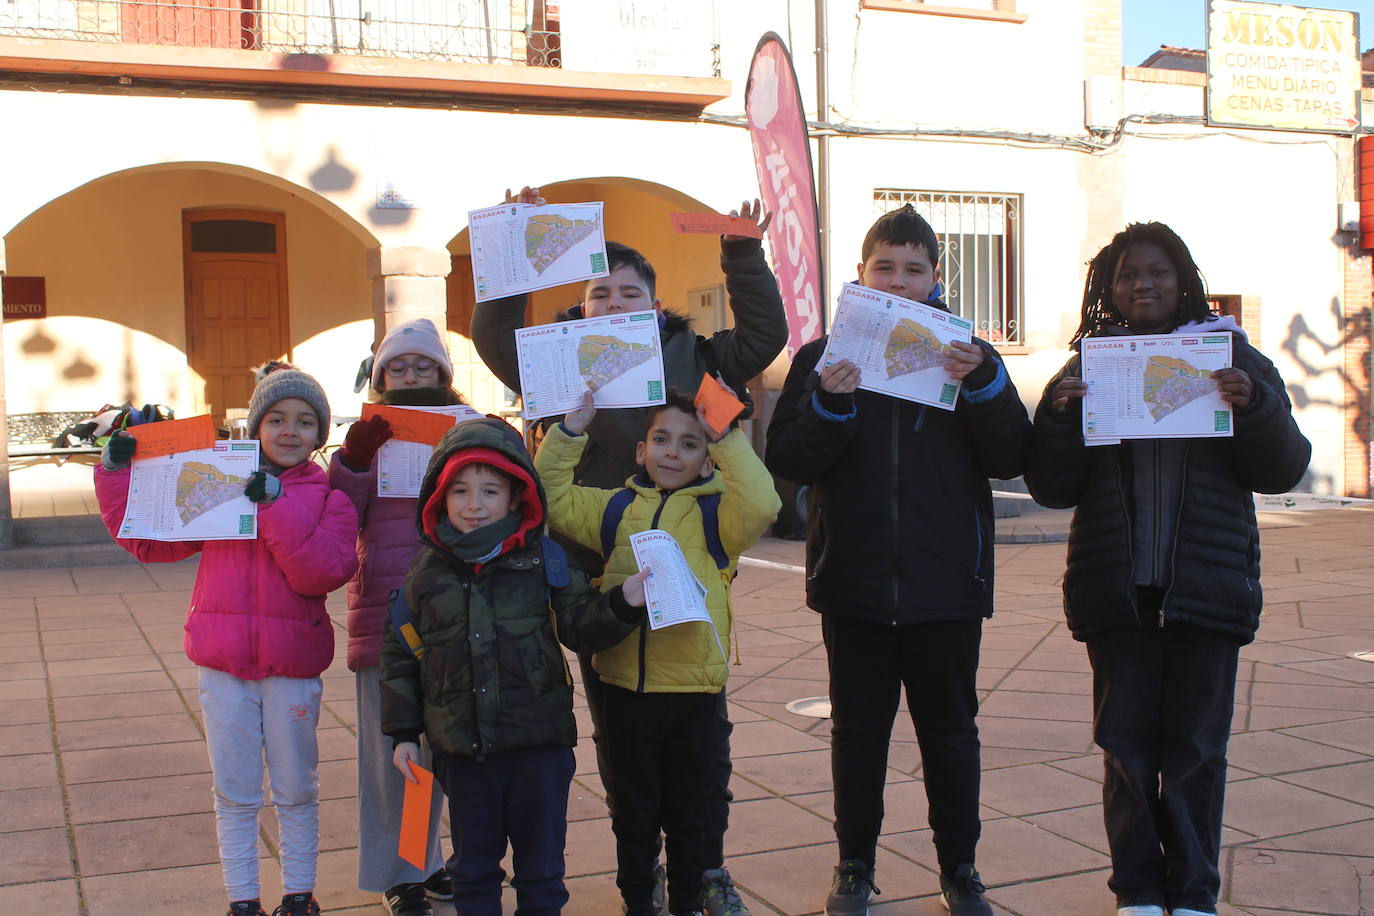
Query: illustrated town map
[
  {"x": 548, "y": 237},
  {"x": 911, "y": 347},
  {"x": 1170, "y": 383},
  {"x": 602, "y": 358},
  {"x": 202, "y": 487}
]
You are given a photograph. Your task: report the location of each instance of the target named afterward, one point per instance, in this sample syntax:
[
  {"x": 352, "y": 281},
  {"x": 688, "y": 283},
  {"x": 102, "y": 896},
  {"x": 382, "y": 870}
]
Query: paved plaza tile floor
[{"x": 105, "y": 790}]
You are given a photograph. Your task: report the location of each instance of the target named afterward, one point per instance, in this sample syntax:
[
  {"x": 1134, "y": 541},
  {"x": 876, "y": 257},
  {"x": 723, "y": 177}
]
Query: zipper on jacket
[
  {"x": 1173, "y": 550},
  {"x": 644, "y": 625},
  {"x": 1130, "y": 540},
  {"x": 895, "y": 477},
  {"x": 978, "y": 553}
]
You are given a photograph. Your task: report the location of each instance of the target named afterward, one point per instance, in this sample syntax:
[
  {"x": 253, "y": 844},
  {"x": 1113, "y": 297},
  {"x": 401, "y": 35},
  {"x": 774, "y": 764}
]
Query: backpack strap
[
  {"x": 710, "y": 523},
  {"x": 610, "y": 519},
  {"x": 555, "y": 563},
  {"x": 403, "y": 622}
]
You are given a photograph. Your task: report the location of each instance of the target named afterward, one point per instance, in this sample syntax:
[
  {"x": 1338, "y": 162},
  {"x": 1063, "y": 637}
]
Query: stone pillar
[
  {"x": 408, "y": 283},
  {"x": 6, "y": 510}
]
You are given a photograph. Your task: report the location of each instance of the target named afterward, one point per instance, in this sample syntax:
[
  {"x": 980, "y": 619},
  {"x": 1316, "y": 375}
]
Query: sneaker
[
  {"x": 298, "y": 905},
  {"x": 660, "y": 890},
  {"x": 719, "y": 895},
  {"x": 439, "y": 886},
  {"x": 1142, "y": 910},
  {"x": 963, "y": 893},
  {"x": 852, "y": 890},
  {"x": 1179, "y": 911},
  {"x": 246, "y": 908},
  {"x": 407, "y": 900}
]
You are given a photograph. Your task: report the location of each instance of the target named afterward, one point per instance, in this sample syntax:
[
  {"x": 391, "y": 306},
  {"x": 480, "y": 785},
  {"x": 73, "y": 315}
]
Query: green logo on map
[
  {"x": 242, "y": 446},
  {"x": 947, "y": 394},
  {"x": 1214, "y": 340},
  {"x": 598, "y": 261},
  {"x": 655, "y": 390},
  {"x": 1222, "y": 420},
  {"x": 245, "y": 524}
]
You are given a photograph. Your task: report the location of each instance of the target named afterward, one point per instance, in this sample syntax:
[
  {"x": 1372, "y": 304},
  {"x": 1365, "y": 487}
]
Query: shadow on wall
[{"x": 1355, "y": 328}]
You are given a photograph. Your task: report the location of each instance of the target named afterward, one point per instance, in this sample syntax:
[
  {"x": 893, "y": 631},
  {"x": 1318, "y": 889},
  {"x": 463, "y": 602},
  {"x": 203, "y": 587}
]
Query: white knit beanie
[
  {"x": 417, "y": 336},
  {"x": 283, "y": 381}
]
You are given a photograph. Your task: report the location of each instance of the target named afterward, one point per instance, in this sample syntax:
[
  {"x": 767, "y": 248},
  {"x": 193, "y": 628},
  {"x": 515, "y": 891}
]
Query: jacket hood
[
  {"x": 491, "y": 440},
  {"x": 669, "y": 322}
]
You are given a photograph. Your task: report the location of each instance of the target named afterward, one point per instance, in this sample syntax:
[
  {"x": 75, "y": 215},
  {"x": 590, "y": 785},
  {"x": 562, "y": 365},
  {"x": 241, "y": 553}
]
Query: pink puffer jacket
[
  {"x": 388, "y": 541},
  {"x": 257, "y": 609}
]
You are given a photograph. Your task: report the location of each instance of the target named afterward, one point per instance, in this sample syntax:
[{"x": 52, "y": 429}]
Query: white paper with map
[
  {"x": 672, "y": 592},
  {"x": 615, "y": 357},
  {"x": 1154, "y": 386},
  {"x": 193, "y": 496},
  {"x": 897, "y": 344},
  {"x": 520, "y": 248},
  {"x": 401, "y": 465}
]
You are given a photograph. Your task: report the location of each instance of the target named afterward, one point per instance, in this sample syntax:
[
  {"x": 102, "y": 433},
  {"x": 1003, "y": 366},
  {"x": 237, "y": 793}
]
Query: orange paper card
[
  {"x": 167, "y": 437},
  {"x": 412, "y": 425},
  {"x": 715, "y": 224},
  {"x": 415, "y": 816},
  {"x": 718, "y": 404}
]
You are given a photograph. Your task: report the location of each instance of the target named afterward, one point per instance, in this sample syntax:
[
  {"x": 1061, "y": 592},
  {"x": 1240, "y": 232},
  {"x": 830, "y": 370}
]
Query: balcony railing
[{"x": 521, "y": 32}]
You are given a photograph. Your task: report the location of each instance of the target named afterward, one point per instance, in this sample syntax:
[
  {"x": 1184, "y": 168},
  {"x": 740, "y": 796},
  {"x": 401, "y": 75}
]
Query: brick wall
[
  {"x": 1359, "y": 296},
  {"x": 1102, "y": 38}
]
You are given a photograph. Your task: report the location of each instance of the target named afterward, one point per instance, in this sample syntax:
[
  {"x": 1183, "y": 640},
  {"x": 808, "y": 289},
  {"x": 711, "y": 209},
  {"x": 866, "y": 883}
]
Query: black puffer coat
[{"x": 1216, "y": 539}]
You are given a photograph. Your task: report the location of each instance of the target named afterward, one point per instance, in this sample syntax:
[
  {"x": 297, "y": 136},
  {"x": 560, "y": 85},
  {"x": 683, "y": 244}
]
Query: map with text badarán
[
  {"x": 911, "y": 347},
  {"x": 1170, "y": 383},
  {"x": 548, "y": 238},
  {"x": 602, "y": 358},
  {"x": 202, "y": 487}
]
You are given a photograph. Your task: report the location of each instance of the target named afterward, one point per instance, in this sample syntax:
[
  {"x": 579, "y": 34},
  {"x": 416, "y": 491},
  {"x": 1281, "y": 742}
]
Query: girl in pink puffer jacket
[
  {"x": 258, "y": 629},
  {"x": 411, "y": 368}
]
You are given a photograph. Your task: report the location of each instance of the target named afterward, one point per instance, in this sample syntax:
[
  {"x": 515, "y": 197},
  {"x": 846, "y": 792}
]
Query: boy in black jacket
[{"x": 899, "y": 565}]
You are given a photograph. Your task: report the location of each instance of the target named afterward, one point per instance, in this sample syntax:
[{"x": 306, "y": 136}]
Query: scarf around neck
[{"x": 480, "y": 544}]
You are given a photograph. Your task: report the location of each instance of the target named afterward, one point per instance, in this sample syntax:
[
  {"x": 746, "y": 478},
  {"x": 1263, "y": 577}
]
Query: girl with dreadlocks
[{"x": 1163, "y": 573}]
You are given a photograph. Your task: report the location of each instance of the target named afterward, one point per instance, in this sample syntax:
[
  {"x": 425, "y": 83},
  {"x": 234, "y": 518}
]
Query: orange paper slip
[
  {"x": 714, "y": 224},
  {"x": 167, "y": 437},
  {"x": 412, "y": 425},
  {"x": 415, "y": 816},
  {"x": 718, "y": 404}
]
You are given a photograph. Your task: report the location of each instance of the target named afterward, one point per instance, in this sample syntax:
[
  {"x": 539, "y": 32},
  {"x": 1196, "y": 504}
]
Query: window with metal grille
[{"x": 980, "y": 254}]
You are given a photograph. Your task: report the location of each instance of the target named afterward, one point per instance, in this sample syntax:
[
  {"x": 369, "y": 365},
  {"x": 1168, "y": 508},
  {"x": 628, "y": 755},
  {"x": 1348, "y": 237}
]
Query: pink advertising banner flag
[{"x": 782, "y": 155}]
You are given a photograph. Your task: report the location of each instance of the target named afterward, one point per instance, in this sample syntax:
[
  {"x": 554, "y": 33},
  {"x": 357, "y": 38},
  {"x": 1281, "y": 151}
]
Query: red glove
[{"x": 363, "y": 439}]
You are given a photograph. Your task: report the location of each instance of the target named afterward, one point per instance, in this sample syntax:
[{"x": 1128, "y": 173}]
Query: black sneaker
[
  {"x": 298, "y": 905},
  {"x": 719, "y": 894},
  {"x": 962, "y": 893},
  {"x": 439, "y": 886},
  {"x": 407, "y": 900},
  {"x": 852, "y": 890},
  {"x": 246, "y": 908}
]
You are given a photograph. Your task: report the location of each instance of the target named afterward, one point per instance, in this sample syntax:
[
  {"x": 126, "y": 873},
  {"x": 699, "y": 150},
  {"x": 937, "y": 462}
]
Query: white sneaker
[
  {"x": 1178, "y": 912},
  {"x": 1146, "y": 910}
]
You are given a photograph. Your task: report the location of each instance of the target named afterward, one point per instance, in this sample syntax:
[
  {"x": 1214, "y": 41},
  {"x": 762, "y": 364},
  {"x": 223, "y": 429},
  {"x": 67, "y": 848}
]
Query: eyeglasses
[{"x": 423, "y": 368}]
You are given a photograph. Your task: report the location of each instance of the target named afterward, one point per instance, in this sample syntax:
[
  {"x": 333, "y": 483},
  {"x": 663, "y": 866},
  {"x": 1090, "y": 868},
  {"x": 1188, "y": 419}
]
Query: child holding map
[
  {"x": 661, "y": 718},
  {"x": 899, "y": 565},
  {"x": 490, "y": 599},
  {"x": 259, "y": 632},
  {"x": 411, "y": 368},
  {"x": 1163, "y": 572}
]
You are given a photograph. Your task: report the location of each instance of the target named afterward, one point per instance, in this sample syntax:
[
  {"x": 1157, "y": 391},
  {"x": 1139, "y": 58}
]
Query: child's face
[
  {"x": 1145, "y": 289},
  {"x": 477, "y": 496},
  {"x": 289, "y": 432},
  {"x": 902, "y": 270},
  {"x": 411, "y": 370},
  {"x": 673, "y": 452},
  {"x": 624, "y": 290}
]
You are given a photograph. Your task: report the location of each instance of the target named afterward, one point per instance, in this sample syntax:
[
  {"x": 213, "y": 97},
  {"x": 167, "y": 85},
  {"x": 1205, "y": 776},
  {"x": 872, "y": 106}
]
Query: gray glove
[
  {"x": 118, "y": 452},
  {"x": 262, "y": 487}
]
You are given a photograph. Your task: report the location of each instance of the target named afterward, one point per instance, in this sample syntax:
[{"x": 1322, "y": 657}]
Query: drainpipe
[
  {"x": 6, "y": 511},
  {"x": 823, "y": 154}
]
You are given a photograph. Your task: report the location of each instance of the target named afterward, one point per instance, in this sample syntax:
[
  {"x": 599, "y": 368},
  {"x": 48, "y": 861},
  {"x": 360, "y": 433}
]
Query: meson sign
[{"x": 1282, "y": 67}]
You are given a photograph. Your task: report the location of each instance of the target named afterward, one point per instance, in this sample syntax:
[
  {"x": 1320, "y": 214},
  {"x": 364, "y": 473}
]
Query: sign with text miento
[
  {"x": 1282, "y": 67},
  {"x": 25, "y": 297}
]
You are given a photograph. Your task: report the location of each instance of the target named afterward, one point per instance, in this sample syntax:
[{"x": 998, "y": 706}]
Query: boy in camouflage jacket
[{"x": 489, "y": 686}]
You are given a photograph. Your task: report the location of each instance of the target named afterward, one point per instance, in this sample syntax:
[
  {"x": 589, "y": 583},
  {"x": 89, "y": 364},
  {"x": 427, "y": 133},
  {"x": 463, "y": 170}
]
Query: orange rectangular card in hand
[
  {"x": 714, "y": 224},
  {"x": 718, "y": 404},
  {"x": 412, "y": 425},
  {"x": 415, "y": 816},
  {"x": 167, "y": 437}
]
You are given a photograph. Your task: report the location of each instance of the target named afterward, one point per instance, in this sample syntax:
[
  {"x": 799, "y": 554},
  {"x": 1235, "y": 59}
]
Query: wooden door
[
  {"x": 235, "y": 302},
  {"x": 186, "y": 23}
]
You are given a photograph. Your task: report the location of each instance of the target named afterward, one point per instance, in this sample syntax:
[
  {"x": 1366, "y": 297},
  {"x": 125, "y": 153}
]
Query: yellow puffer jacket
[{"x": 684, "y": 658}]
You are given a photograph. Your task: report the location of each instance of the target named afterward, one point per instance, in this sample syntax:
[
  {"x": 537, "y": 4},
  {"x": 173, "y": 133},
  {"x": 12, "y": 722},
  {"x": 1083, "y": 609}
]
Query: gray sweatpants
[
  {"x": 381, "y": 791},
  {"x": 246, "y": 721}
]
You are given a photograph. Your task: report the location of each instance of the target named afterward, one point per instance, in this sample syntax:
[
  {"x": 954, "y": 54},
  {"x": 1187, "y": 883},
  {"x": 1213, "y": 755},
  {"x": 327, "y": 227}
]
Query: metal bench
[{"x": 30, "y": 435}]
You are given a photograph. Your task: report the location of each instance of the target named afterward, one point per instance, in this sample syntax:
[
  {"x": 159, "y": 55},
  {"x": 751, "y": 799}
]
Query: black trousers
[
  {"x": 938, "y": 665},
  {"x": 660, "y": 747},
  {"x": 1162, "y": 703},
  {"x": 718, "y": 805},
  {"x": 518, "y": 795}
]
